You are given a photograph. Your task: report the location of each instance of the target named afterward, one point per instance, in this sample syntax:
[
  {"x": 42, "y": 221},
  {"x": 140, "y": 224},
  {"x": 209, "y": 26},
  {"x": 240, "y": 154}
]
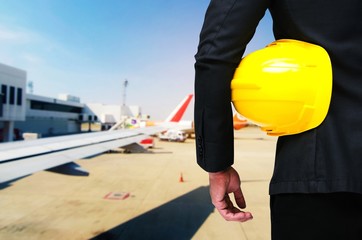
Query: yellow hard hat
[{"x": 285, "y": 88}]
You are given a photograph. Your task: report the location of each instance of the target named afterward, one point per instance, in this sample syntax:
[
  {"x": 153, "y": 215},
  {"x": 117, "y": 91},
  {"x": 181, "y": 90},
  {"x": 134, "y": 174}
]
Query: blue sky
[{"x": 88, "y": 48}]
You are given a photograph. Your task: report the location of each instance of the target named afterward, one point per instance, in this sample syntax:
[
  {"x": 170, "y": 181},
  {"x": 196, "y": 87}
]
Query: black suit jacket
[{"x": 325, "y": 159}]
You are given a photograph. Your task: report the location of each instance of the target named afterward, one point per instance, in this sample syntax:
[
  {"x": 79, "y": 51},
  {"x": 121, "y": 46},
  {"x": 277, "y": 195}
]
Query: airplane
[
  {"x": 179, "y": 111},
  {"x": 57, "y": 154},
  {"x": 187, "y": 127},
  {"x": 172, "y": 120},
  {"x": 239, "y": 123},
  {"x": 175, "y": 124},
  {"x": 172, "y": 123}
]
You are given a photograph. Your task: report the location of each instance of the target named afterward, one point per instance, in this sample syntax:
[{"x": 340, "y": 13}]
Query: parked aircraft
[
  {"x": 188, "y": 126},
  {"x": 57, "y": 154},
  {"x": 173, "y": 120},
  {"x": 177, "y": 114},
  {"x": 239, "y": 123}
]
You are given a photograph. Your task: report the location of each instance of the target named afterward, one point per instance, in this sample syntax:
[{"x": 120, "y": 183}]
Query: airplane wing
[
  {"x": 22, "y": 158},
  {"x": 19, "y": 159}
]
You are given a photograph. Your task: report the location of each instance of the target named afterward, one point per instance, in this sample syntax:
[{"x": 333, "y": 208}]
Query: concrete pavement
[{"x": 158, "y": 195}]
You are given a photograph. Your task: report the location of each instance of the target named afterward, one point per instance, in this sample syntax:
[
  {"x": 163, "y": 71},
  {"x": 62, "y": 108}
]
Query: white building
[
  {"x": 12, "y": 100},
  {"x": 21, "y": 112},
  {"x": 50, "y": 116},
  {"x": 68, "y": 97},
  {"x": 45, "y": 116}
]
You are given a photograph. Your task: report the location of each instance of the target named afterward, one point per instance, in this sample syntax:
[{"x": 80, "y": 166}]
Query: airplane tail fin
[
  {"x": 179, "y": 111},
  {"x": 239, "y": 123}
]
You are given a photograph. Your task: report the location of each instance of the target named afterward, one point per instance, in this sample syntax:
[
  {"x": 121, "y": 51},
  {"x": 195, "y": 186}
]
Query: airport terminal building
[
  {"x": 22, "y": 112},
  {"x": 12, "y": 100},
  {"x": 50, "y": 116}
]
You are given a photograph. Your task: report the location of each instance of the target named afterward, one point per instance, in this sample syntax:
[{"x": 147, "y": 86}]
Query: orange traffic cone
[{"x": 181, "y": 178}]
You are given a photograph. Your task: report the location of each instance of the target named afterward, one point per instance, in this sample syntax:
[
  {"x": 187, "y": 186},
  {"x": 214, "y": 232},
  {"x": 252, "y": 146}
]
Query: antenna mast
[
  {"x": 125, "y": 84},
  {"x": 31, "y": 87}
]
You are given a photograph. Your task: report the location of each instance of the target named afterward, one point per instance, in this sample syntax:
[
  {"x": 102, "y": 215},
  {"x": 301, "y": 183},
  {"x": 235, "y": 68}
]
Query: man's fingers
[
  {"x": 229, "y": 212},
  {"x": 235, "y": 214},
  {"x": 239, "y": 198},
  {"x": 221, "y": 204},
  {"x": 221, "y": 184}
]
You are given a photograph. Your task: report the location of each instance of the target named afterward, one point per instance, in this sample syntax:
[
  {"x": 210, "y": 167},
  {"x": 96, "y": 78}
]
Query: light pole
[{"x": 125, "y": 84}]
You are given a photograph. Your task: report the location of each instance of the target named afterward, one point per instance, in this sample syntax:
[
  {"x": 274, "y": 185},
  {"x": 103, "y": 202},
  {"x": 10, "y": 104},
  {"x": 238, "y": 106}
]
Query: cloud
[
  {"x": 27, "y": 48},
  {"x": 31, "y": 58},
  {"x": 17, "y": 36}
]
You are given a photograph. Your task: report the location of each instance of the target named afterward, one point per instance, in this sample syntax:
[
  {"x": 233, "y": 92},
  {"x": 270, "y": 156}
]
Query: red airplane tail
[{"x": 177, "y": 114}]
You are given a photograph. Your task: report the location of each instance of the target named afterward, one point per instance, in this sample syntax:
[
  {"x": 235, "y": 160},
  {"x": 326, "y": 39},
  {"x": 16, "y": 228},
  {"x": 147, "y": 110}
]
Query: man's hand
[{"x": 223, "y": 183}]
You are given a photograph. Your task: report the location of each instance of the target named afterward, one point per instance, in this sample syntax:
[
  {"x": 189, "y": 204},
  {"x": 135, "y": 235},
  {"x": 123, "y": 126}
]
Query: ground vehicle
[
  {"x": 173, "y": 135},
  {"x": 148, "y": 143}
]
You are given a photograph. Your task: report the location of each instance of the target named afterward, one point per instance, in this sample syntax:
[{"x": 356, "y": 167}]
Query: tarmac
[{"x": 162, "y": 194}]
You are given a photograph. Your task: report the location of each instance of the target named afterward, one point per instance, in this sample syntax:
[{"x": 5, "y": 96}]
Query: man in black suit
[{"x": 316, "y": 188}]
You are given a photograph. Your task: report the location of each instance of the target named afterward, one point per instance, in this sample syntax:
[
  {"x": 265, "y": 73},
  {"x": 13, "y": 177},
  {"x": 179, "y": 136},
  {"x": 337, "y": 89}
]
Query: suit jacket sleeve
[{"x": 228, "y": 27}]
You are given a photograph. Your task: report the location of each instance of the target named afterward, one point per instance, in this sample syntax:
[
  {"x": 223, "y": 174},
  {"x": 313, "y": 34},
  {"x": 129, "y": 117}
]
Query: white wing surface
[{"x": 18, "y": 159}]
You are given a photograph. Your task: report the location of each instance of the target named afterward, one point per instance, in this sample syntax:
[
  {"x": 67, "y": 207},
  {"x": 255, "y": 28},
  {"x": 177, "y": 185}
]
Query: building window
[
  {"x": 12, "y": 95},
  {"x": 4, "y": 91},
  {"x": 19, "y": 97},
  {"x": 1, "y": 104},
  {"x": 46, "y": 106}
]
